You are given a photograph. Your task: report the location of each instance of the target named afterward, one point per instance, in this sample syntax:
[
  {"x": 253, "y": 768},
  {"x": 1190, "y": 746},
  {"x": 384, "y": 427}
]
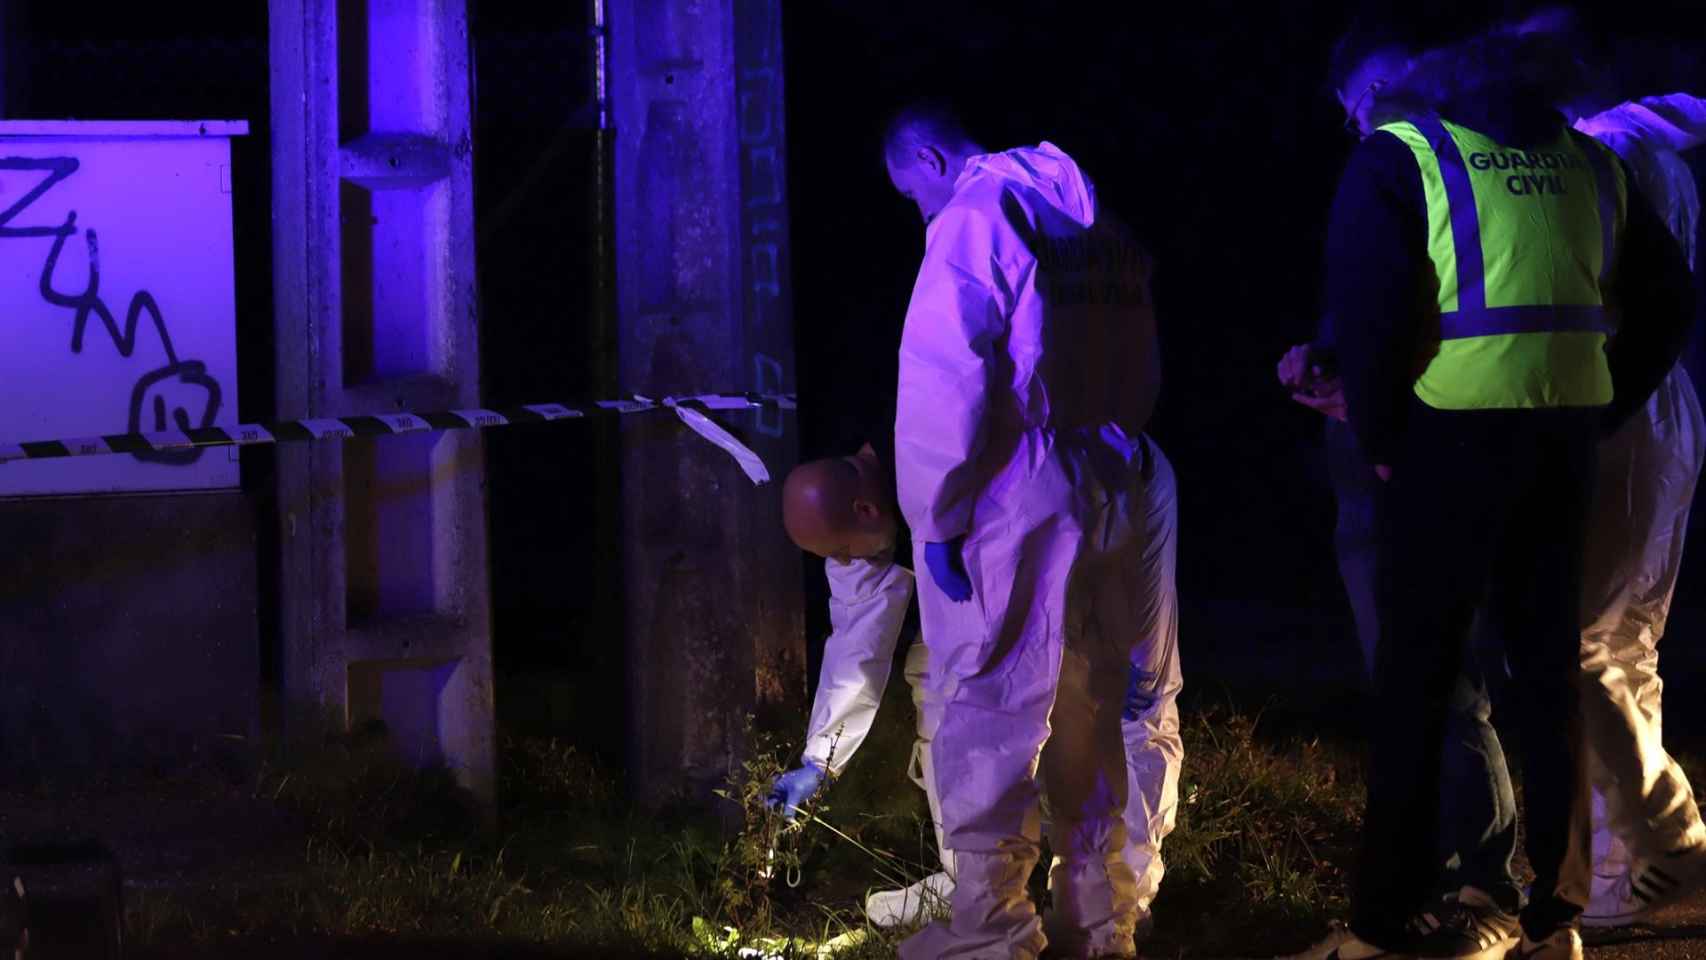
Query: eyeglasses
[{"x": 1351, "y": 112}]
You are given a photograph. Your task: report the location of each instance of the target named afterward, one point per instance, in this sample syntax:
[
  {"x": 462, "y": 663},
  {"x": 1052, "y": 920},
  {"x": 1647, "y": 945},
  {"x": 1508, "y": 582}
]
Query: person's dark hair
[
  {"x": 934, "y": 120},
  {"x": 1357, "y": 45},
  {"x": 1494, "y": 67}
]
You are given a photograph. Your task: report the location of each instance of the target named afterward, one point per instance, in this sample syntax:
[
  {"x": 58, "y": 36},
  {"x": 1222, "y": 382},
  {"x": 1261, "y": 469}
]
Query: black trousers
[
  {"x": 1484, "y": 507},
  {"x": 1477, "y": 810}
]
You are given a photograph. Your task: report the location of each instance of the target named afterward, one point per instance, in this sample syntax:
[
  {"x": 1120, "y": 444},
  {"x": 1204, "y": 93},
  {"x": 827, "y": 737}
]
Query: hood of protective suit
[
  {"x": 1045, "y": 169},
  {"x": 1501, "y": 85}
]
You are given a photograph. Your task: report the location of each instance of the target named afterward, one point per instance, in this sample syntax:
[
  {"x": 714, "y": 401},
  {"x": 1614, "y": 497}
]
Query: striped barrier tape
[{"x": 690, "y": 410}]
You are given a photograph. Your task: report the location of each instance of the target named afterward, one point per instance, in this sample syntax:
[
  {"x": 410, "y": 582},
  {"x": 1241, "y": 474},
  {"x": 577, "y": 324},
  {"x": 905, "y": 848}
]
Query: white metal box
[{"x": 117, "y": 298}]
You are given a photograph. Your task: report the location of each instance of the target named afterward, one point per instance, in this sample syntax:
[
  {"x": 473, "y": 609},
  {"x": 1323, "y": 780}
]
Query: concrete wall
[{"x": 129, "y": 629}]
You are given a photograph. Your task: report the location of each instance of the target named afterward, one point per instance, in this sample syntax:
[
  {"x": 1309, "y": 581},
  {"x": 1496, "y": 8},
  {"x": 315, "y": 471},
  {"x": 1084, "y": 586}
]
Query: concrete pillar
[
  {"x": 384, "y": 590},
  {"x": 712, "y": 587}
]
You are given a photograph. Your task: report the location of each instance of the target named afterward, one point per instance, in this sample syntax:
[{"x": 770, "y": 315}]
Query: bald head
[{"x": 839, "y": 507}]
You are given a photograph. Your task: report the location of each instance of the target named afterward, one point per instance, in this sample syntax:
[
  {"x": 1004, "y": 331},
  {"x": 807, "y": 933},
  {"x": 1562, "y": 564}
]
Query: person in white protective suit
[
  {"x": 843, "y": 509},
  {"x": 1649, "y": 842},
  {"x": 1028, "y": 369}
]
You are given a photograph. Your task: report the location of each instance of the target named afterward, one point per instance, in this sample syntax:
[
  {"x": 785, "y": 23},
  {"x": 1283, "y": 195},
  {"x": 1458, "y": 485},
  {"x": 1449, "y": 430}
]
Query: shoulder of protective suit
[
  {"x": 978, "y": 197},
  {"x": 988, "y": 212}
]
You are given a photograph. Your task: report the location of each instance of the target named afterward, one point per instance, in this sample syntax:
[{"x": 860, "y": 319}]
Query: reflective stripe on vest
[{"x": 1521, "y": 243}]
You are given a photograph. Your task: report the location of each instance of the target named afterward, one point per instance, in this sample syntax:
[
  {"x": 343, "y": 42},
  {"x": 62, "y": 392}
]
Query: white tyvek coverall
[
  {"x": 1025, "y": 371},
  {"x": 1643, "y": 804},
  {"x": 867, "y": 610}
]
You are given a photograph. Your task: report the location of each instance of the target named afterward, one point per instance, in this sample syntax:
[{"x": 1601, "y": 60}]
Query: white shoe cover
[{"x": 923, "y": 900}]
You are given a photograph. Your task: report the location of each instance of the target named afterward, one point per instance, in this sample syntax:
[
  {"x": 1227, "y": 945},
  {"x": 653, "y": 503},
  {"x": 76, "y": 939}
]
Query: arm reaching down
[
  {"x": 868, "y": 600},
  {"x": 947, "y": 360},
  {"x": 1376, "y": 267}
]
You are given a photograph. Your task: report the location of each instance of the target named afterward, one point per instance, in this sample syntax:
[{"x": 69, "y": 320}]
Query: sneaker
[
  {"x": 922, "y": 901},
  {"x": 1566, "y": 944},
  {"x": 1468, "y": 924},
  {"x": 1650, "y": 885}
]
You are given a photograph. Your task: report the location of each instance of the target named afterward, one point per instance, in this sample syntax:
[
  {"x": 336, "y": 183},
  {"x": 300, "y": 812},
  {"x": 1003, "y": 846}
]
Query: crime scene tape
[{"x": 690, "y": 410}]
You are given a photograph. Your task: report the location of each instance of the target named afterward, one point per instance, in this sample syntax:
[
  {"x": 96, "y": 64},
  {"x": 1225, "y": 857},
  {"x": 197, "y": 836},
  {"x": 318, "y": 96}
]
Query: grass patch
[
  {"x": 1266, "y": 831},
  {"x": 386, "y": 854}
]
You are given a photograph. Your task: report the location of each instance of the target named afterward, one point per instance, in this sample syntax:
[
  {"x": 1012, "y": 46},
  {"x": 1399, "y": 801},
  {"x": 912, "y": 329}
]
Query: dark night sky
[{"x": 1206, "y": 125}]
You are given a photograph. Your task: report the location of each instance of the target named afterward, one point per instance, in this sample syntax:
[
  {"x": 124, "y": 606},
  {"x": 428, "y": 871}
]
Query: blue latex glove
[
  {"x": 948, "y": 569},
  {"x": 794, "y": 788}
]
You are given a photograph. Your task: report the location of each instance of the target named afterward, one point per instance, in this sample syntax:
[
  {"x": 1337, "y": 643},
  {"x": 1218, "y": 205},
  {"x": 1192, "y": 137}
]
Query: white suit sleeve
[
  {"x": 954, "y": 325},
  {"x": 868, "y": 600},
  {"x": 1677, "y": 121}
]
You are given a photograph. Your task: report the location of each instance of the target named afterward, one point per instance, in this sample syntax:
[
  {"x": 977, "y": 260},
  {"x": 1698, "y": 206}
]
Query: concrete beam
[
  {"x": 384, "y": 580},
  {"x": 395, "y": 161},
  {"x": 712, "y": 588}
]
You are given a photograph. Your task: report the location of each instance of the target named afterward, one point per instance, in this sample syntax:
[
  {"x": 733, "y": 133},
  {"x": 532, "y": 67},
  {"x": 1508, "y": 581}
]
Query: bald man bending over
[{"x": 844, "y": 510}]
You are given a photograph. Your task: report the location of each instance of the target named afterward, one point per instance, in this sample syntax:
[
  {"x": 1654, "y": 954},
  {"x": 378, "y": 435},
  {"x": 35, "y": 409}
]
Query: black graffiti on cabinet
[{"x": 144, "y": 416}]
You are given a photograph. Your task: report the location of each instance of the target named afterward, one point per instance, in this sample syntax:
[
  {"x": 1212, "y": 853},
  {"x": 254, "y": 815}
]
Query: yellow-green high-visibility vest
[{"x": 1521, "y": 242}]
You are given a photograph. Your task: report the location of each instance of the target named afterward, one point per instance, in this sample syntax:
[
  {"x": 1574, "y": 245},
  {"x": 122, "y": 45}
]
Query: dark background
[{"x": 1207, "y": 125}]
